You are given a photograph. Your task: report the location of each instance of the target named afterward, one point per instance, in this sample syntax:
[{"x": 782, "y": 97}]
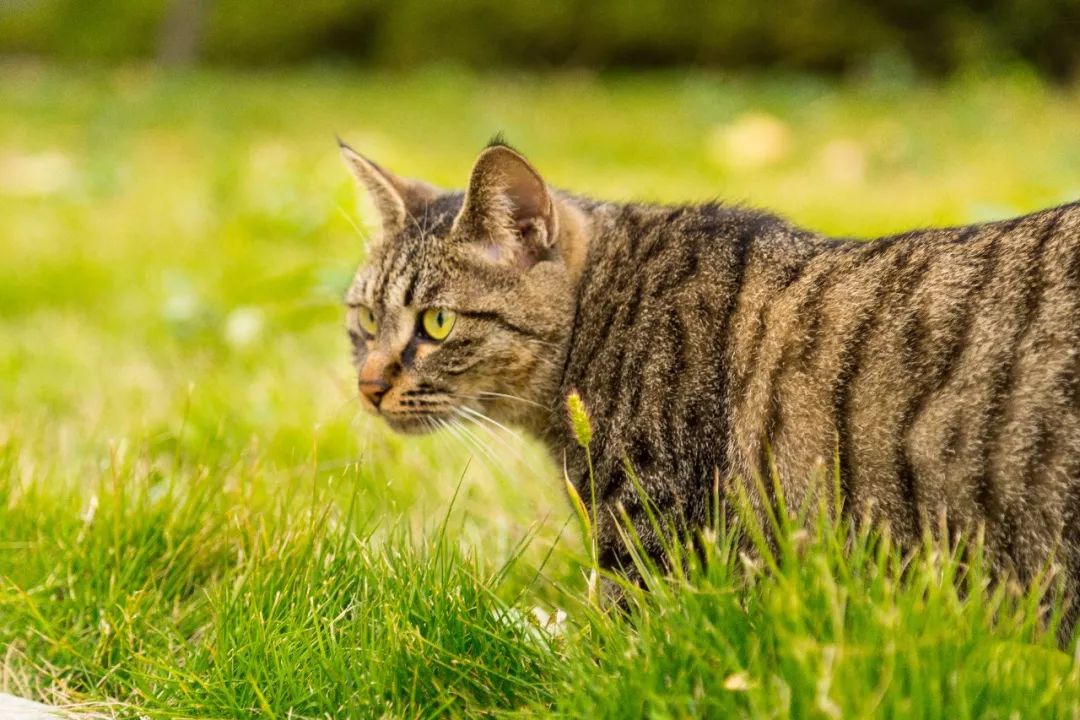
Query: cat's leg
[
  {"x": 1070, "y": 546},
  {"x": 638, "y": 531}
]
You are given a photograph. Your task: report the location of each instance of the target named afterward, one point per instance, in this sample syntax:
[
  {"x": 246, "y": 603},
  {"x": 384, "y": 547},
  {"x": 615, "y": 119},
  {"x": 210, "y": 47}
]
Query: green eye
[
  {"x": 366, "y": 318},
  {"x": 438, "y": 322}
]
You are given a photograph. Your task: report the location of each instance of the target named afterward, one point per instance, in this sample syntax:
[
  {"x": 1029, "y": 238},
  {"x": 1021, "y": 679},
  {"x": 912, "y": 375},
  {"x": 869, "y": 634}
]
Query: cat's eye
[
  {"x": 438, "y": 322},
  {"x": 366, "y": 317}
]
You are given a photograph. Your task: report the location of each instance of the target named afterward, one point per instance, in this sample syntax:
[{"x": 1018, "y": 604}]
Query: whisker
[
  {"x": 473, "y": 420},
  {"x": 471, "y": 443},
  {"x": 511, "y": 448},
  {"x": 516, "y": 449},
  {"x": 535, "y": 354},
  {"x": 481, "y": 416},
  {"x": 355, "y": 226},
  {"x": 455, "y": 430},
  {"x": 352, "y": 399},
  {"x": 507, "y": 396},
  {"x": 480, "y": 445}
]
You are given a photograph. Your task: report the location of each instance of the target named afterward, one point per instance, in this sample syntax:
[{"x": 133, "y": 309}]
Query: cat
[{"x": 939, "y": 367}]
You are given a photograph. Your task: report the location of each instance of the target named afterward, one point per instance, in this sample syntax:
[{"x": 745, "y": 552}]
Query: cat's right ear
[{"x": 395, "y": 198}]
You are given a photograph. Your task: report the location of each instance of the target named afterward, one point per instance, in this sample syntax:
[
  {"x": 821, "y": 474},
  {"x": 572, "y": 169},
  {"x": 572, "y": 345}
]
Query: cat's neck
[
  {"x": 539, "y": 413},
  {"x": 574, "y": 233},
  {"x": 596, "y": 240}
]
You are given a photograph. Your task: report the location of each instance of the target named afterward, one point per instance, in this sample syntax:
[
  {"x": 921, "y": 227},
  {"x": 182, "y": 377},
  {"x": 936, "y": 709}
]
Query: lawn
[{"x": 196, "y": 520}]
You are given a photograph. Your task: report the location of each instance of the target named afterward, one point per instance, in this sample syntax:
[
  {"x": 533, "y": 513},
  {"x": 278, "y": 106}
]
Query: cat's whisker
[
  {"x": 451, "y": 440},
  {"x": 535, "y": 354},
  {"x": 454, "y": 428},
  {"x": 434, "y": 426},
  {"x": 348, "y": 218},
  {"x": 361, "y": 421},
  {"x": 471, "y": 443},
  {"x": 421, "y": 229},
  {"x": 347, "y": 402},
  {"x": 486, "y": 449},
  {"x": 474, "y": 421},
  {"x": 483, "y": 395},
  {"x": 507, "y": 396},
  {"x": 515, "y": 448},
  {"x": 481, "y": 416}
]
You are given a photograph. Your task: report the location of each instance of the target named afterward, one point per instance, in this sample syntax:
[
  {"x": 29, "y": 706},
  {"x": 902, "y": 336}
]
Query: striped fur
[{"x": 941, "y": 367}]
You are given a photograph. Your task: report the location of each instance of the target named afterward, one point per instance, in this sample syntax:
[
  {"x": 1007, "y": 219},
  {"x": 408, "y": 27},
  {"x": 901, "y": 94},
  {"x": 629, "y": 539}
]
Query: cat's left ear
[
  {"x": 508, "y": 213},
  {"x": 395, "y": 198}
]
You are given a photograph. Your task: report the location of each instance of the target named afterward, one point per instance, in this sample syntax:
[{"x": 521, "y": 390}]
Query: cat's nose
[
  {"x": 374, "y": 390},
  {"x": 377, "y": 377}
]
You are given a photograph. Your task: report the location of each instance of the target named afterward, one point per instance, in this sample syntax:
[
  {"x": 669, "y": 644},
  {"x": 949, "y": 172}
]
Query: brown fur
[{"x": 941, "y": 367}]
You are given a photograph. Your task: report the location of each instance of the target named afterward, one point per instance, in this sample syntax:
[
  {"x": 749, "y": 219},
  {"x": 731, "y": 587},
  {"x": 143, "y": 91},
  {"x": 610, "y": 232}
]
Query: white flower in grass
[
  {"x": 554, "y": 622},
  {"x": 538, "y": 624}
]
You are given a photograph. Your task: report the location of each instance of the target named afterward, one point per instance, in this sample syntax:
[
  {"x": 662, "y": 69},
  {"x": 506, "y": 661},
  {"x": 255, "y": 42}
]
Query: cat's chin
[{"x": 409, "y": 425}]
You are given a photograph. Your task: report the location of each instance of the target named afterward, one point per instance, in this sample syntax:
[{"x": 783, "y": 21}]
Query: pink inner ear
[
  {"x": 529, "y": 200},
  {"x": 507, "y": 256}
]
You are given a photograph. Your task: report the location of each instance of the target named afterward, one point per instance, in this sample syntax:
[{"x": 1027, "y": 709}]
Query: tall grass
[{"x": 177, "y": 597}]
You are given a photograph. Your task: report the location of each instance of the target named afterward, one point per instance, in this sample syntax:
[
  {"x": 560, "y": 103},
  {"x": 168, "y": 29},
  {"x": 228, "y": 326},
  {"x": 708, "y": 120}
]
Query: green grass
[{"x": 196, "y": 521}]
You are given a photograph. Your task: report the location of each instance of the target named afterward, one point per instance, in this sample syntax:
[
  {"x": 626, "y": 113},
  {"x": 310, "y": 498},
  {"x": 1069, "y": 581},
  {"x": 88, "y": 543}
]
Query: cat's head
[{"x": 465, "y": 301}]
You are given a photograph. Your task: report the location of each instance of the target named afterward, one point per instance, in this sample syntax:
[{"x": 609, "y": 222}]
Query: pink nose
[
  {"x": 374, "y": 390},
  {"x": 377, "y": 376}
]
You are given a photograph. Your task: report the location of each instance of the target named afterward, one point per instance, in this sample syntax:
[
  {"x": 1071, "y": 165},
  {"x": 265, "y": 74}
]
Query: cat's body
[{"x": 940, "y": 367}]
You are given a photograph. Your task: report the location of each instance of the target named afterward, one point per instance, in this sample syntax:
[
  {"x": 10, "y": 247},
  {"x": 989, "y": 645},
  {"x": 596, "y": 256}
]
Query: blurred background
[
  {"x": 176, "y": 228},
  {"x": 831, "y": 36}
]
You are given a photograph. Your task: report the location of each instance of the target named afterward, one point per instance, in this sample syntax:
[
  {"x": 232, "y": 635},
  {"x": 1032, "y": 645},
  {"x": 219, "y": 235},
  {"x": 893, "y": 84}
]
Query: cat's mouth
[{"x": 410, "y": 412}]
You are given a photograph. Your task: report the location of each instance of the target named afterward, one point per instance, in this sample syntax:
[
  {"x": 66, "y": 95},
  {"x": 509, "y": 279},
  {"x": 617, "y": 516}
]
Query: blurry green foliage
[{"x": 821, "y": 35}]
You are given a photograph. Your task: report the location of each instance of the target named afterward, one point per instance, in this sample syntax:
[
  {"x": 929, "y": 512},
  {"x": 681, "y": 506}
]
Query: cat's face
[{"x": 464, "y": 304}]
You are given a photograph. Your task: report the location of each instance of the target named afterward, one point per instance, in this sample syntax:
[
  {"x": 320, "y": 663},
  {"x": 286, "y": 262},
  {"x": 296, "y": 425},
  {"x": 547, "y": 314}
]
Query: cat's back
[{"x": 939, "y": 369}]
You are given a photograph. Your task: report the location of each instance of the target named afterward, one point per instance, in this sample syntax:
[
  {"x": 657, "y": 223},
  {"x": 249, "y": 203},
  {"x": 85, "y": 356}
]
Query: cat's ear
[
  {"x": 508, "y": 210},
  {"x": 395, "y": 198}
]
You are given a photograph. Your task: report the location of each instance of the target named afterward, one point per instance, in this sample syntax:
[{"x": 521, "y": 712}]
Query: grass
[{"x": 195, "y": 521}]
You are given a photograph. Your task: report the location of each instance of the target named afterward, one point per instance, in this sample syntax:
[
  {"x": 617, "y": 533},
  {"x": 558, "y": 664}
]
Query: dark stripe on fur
[
  {"x": 726, "y": 343},
  {"x": 852, "y": 361},
  {"x": 498, "y": 319},
  {"x": 407, "y": 298},
  {"x": 1004, "y": 387},
  {"x": 819, "y": 285},
  {"x": 941, "y": 374}
]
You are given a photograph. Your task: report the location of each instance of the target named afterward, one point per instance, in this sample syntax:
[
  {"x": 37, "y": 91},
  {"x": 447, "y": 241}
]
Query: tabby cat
[{"x": 941, "y": 367}]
